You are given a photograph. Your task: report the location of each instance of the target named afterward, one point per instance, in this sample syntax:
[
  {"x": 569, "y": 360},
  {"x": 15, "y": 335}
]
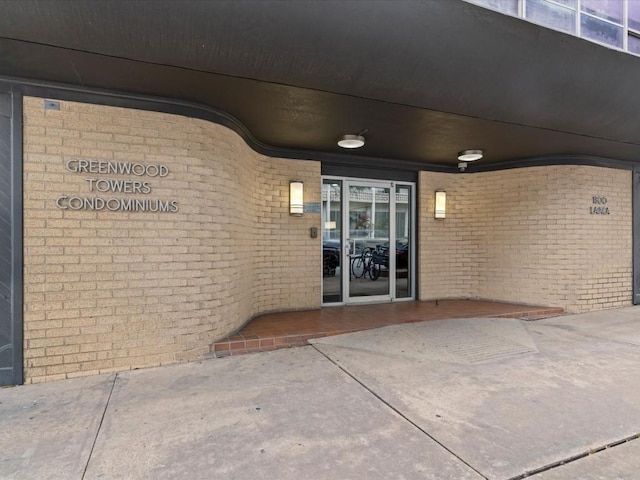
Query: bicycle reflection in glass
[{"x": 368, "y": 262}]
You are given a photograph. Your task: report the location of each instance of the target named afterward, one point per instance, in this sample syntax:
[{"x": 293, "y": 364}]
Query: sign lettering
[
  {"x": 98, "y": 185},
  {"x": 600, "y": 208}
]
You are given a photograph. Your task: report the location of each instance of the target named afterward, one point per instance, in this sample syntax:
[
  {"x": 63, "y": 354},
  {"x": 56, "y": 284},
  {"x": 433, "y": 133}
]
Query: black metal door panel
[
  {"x": 10, "y": 371},
  {"x": 636, "y": 235}
]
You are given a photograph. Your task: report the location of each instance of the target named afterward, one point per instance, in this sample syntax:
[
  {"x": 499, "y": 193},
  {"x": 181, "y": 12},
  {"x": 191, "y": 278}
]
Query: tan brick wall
[
  {"x": 527, "y": 236},
  {"x": 108, "y": 291}
]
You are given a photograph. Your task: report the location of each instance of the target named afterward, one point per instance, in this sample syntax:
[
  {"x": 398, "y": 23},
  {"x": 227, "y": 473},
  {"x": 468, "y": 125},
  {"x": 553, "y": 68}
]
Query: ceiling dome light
[
  {"x": 470, "y": 155},
  {"x": 351, "y": 141}
]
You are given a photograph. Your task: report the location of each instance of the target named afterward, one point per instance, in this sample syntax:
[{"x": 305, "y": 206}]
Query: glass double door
[{"x": 367, "y": 232}]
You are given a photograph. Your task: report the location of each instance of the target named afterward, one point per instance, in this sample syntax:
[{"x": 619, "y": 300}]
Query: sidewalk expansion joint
[
  {"x": 574, "y": 458},
  {"x": 104, "y": 413},
  {"x": 402, "y": 415}
]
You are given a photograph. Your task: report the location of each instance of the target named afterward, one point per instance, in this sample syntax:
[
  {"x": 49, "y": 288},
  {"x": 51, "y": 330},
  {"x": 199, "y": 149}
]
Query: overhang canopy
[{"x": 425, "y": 79}]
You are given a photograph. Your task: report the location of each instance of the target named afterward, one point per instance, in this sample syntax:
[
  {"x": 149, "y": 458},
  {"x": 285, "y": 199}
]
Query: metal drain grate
[{"x": 477, "y": 343}]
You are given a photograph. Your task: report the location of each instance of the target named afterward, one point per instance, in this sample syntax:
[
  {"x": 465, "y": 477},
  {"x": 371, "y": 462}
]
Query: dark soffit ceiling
[{"x": 425, "y": 78}]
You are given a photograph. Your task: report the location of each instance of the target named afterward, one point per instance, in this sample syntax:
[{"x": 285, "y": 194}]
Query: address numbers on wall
[{"x": 599, "y": 205}]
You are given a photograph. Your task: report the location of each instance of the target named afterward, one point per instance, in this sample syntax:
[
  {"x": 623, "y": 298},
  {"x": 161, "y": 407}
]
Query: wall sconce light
[
  {"x": 440, "y": 211},
  {"x": 296, "y": 198}
]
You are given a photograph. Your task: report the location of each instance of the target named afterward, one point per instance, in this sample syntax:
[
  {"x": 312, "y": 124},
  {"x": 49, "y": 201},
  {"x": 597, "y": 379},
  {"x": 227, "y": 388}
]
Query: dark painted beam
[{"x": 427, "y": 79}]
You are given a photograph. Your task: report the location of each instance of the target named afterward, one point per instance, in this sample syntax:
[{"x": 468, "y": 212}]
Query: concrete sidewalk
[{"x": 452, "y": 399}]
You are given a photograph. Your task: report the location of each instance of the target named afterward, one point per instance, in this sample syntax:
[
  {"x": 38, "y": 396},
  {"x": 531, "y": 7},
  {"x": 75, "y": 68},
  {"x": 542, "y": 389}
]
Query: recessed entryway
[{"x": 368, "y": 241}]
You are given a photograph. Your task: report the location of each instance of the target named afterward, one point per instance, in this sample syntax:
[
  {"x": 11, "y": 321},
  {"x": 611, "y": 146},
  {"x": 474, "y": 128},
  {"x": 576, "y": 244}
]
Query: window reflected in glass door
[
  {"x": 331, "y": 241},
  {"x": 368, "y": 236}
]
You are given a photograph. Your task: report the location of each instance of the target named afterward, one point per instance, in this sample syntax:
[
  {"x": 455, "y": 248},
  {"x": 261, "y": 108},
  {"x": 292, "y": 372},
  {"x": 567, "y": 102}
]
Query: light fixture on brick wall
[
  {"x": 329, "y": 225},
  {"x": 296, "y": 197},
  {"x": 440, "y": 210}
]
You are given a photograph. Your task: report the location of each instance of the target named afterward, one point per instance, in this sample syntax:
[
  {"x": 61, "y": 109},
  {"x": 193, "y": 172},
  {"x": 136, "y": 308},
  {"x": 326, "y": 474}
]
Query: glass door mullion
[
  {"x": 392, "y": 239},
  {"x": 346, "y": 246}
]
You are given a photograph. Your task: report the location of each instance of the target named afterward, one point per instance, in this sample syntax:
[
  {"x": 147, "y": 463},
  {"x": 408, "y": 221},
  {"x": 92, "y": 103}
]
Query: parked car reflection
[
  {"x": 330, "y": 257},
  {"x": 402, "y": 254},
  {"x": 331, "y": 253}
]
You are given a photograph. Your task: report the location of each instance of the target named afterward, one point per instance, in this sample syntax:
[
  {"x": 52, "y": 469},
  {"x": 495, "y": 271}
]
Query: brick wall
[
  {"x": 527, "y": 236},
  {"x": 115, "y": 290},
  {"x": 108, "y": 291}
]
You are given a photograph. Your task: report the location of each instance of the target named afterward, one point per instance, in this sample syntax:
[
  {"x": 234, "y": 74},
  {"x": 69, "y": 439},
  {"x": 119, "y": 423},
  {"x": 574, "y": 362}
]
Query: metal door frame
[
  {"x": 346, "y": 300},
  {"x": 346, "y": 250}
]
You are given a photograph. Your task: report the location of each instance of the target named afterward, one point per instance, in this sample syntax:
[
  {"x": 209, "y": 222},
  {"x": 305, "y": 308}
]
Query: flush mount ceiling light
[
  {"x": 351, "y": 141},
  {"x": 470, "y": 155}
]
